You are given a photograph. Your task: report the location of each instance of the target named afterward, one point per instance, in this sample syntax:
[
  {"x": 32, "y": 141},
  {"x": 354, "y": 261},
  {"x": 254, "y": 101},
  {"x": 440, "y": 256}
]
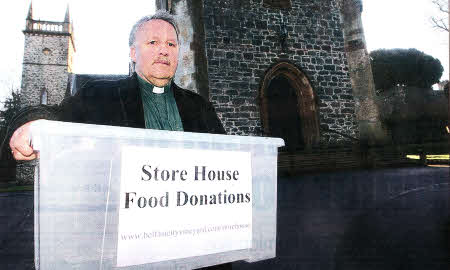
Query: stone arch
[{"x": 306, "y": 106}]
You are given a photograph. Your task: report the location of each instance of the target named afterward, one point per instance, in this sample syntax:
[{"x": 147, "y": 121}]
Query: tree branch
[
  {"x": 441, "y": 5},
  {"x": 440, "y": 23}
]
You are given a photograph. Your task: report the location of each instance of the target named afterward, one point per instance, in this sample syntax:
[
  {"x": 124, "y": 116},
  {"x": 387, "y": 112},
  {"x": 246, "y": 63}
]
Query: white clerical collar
[{"x": 158, "y": 90}]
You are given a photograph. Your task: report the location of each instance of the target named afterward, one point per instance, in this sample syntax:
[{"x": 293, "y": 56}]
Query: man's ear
[{"x": 133, "y": 53}]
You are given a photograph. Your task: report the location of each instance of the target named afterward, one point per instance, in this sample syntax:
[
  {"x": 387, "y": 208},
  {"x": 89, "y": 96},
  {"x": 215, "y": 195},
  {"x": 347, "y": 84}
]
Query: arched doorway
[{"x": 288, "y": 107}]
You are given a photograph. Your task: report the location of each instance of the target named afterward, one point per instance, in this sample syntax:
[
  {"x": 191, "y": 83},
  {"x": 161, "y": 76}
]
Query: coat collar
[
  {"x": 131, "y": 92},
  {"x": 134, "y": 110},
  {"x": 129, "y": 89}
]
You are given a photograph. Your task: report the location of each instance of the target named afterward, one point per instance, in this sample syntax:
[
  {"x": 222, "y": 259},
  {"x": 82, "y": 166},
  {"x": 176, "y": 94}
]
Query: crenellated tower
[{"x": 47, "y": 60}]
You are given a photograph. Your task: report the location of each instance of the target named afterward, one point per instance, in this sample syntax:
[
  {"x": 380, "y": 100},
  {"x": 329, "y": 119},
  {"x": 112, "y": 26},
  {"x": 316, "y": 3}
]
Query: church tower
[{"x": 47, "y": 60}]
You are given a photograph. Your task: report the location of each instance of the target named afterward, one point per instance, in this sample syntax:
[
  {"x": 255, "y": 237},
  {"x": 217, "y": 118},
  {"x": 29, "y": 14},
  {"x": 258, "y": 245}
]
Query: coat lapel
[
  {"x": 134, "y": 110},
  {"x": 129, "y": 92}
]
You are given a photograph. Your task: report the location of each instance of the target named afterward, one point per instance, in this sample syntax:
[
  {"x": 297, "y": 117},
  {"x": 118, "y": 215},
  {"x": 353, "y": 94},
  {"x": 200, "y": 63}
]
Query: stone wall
[
  {"x": 45, "y": 67},
  {"x": 243, "y": 41},
  {"x": 37, "y": 78},
  {"x": 371, "y": 130},
  {"x": 71, "y": 53},
  {"x": 185, "y": 75},
  {"x": 192, "y": 73},
  {"x": 47, "y": 62}
]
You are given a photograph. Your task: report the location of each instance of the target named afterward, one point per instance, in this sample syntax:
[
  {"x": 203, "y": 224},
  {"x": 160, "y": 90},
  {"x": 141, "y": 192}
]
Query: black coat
[{"x": 119, "y": 103}]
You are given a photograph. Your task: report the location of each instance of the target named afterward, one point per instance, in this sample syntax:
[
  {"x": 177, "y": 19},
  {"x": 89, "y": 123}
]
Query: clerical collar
[
  {"x": 145, "y": 85},
  {"x": 158, "y": 90}
]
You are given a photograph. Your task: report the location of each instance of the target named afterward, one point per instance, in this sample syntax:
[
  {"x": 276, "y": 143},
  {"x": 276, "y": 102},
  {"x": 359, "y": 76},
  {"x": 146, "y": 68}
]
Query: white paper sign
[{"x": 178, "y": 203}]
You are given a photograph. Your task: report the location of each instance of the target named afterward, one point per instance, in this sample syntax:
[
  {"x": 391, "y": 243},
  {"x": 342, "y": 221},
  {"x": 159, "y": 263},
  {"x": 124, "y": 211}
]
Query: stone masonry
[
  {"x": 371, "y": 131},
  {"x": 229, "y": 47},
  {"x": 47, "y": 61},
  {"x": 44, "y": 71},
  {"x": 192, "y": 71},
  {"x": 243, "y": 39}
]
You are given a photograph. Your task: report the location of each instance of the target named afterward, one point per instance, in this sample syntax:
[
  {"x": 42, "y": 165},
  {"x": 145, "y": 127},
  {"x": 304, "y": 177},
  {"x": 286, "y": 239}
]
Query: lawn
[{"x": 17, "y": 188}]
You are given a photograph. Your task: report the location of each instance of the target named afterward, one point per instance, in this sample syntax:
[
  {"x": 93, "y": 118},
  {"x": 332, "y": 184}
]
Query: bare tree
[{"x": 440, "y": 22}]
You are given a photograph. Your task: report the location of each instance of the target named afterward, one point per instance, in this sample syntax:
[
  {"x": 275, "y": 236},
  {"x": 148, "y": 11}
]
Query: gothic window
[
  {"x": 44, "y": 98},
  {"x": 277, "y": 3}
]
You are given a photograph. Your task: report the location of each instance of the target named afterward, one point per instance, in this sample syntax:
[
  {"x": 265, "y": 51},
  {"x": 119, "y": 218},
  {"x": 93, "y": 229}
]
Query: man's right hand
[{"x": 20, "y": 143}]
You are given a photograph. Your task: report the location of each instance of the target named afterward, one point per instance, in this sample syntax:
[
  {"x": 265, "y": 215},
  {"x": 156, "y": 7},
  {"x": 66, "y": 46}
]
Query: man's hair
[{"x": 159, "y": 15}]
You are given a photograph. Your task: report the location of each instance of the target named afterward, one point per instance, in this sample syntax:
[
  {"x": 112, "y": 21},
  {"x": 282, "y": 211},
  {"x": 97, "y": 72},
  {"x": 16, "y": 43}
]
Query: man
[{"x": 147, "y": 99}]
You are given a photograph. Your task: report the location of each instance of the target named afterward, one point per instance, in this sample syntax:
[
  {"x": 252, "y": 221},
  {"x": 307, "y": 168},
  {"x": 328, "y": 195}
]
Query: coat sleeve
[
  {"x": 68, "y": 110},
  {"x": 25, "y": 115}
]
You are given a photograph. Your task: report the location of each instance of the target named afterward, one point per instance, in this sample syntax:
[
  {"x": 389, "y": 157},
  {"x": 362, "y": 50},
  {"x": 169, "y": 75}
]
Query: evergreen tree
[
  {"x": 10, "y": 108},
  {"x": 406, "y": 67}
]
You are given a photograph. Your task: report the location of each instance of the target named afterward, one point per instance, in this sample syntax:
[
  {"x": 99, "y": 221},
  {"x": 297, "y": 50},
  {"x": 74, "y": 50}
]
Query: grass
[
  {"x": 430, "y": 157},
  {"x": 17, "y": 188}
]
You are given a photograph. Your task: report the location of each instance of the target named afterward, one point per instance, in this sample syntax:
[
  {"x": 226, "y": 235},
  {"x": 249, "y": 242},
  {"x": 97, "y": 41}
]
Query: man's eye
[
  {"x": 152, "y": 42},
  {"x": 172, "y": 44}
]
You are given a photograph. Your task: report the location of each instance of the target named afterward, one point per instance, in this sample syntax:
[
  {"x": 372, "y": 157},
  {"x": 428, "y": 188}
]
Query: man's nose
[{"x": 163, "y": 50}]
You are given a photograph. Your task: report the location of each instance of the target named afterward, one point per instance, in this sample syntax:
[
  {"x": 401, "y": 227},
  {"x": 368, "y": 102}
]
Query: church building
[{"x": 276, "y": 68}]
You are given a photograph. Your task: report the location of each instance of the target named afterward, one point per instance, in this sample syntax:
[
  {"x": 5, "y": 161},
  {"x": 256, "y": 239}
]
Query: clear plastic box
[{"x": 76, "y": 193}]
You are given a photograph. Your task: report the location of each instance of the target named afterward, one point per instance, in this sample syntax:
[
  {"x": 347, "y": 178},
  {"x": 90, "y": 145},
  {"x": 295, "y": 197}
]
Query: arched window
[
  {"x": 277, "y": 3},
  {"x": 44, "y": 98}
]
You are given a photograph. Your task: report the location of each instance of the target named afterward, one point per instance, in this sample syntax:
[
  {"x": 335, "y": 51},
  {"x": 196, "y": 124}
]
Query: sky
[
  {"x": 405, "y": 24},
  {"x": 101, "y": 32},
  {"x": 101, "y": 29}
]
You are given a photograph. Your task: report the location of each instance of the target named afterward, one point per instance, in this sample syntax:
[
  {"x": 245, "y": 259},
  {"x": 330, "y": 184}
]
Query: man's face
[{"x": 155, "y": 52}]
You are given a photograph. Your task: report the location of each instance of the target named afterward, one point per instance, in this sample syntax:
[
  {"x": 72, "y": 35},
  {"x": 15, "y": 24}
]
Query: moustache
[{"x": 162, "y": 61}]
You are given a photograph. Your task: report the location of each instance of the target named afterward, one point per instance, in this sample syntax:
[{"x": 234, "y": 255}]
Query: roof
[{"x": 76, "y": 81}]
